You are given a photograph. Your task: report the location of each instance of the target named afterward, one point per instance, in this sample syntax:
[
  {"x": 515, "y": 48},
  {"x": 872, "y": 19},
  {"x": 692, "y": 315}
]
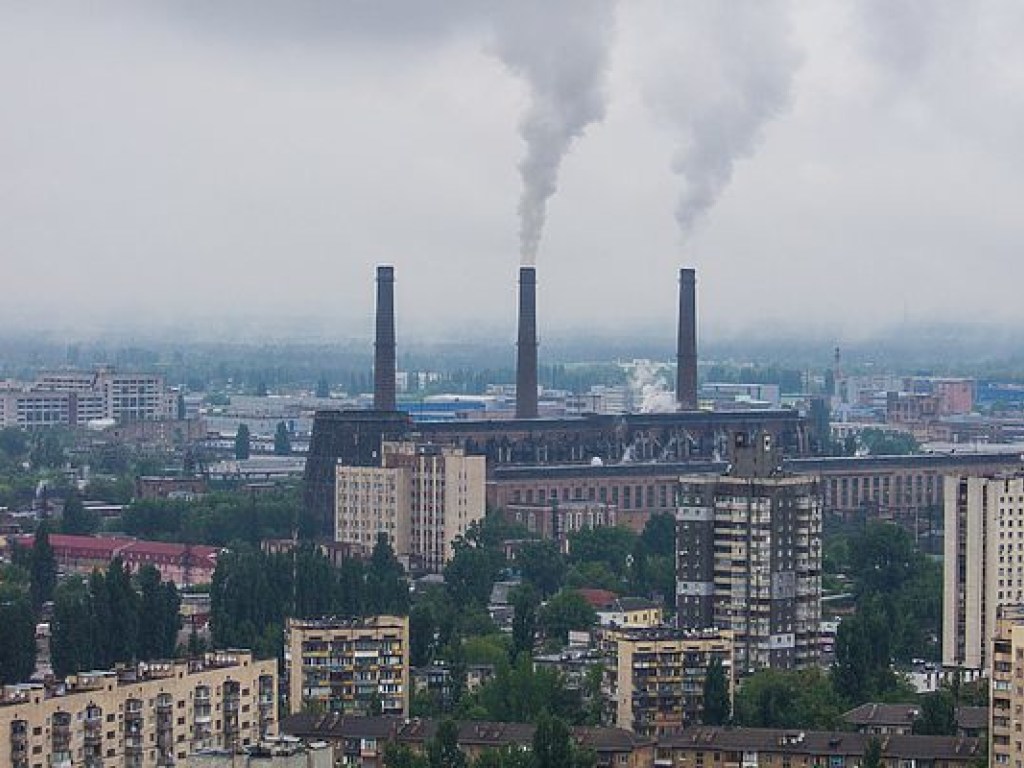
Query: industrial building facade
[
  {"x": 983, "y": 563},
  {"x": 907, "y": 490},
  {"x": 423, "y": 496},
  {"x": 654, "y": 683},
  {"x": 348, "y": 667},
  {"x": 749, "y": 558},
  {"x": 152, "y": 714}
]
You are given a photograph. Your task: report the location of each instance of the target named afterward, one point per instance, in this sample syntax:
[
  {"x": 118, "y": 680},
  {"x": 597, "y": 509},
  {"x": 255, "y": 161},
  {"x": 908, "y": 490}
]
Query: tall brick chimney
[
  {"x": 686, "y": 342},
  {"x": 526, "y": 357},
  {"x": 384, "y": 345}
]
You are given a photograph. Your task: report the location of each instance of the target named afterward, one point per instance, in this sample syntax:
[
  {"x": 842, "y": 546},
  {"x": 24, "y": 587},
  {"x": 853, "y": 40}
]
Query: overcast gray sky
[{"x": 823, "y": 164}]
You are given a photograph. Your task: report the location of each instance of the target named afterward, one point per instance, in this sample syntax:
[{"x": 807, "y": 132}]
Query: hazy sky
[{"x": 823, "y": 164}]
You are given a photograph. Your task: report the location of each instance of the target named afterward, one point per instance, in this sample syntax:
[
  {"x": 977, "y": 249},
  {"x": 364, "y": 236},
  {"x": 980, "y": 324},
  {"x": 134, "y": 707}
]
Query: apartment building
[
  {"x": 983, "y": 563},
  {"x": 772, "y": 747},
  {"x": 423, "y": 496},
  {"x": 749, "y": 557},
  {"x": 358, "y": 666},
  {"x": 75, "y": 398},
  {"x": 371, "y": 501},
  {"x": 151, "y": 714},
  {"x": 654, "y": 683},
  {"x": 1006, "y": 695}
]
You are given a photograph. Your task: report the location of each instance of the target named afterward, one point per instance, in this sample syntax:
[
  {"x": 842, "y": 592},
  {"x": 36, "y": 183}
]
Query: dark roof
[
  {"x": 935, "y": 461},
  {"x": 882, "y": 714},
  {"x": 337, "y": 726},
  {"x": 972, "y": 717},
  {"x": 815, "y": 743},
  {"x": 609, "y": 739},
  {"x": 471, "y": 733}
]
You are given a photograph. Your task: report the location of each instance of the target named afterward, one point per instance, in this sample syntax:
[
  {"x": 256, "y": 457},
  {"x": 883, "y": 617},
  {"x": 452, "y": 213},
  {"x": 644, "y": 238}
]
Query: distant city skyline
[{"x": 828, "y": 168}]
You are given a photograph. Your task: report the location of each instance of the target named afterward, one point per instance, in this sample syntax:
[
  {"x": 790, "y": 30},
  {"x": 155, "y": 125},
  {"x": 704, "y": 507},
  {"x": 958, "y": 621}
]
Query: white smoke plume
[
  {"x": 560, "y": 50},
  {"x": 649, "y": 387},
  {"x": 721, "y": 71}
]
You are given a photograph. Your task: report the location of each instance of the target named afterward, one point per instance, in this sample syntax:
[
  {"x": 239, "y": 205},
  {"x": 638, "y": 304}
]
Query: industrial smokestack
[
  {"x": 686, "y": 342},
  {"x": 526, "y": 362},
  {"x": 384, "y": 345}
]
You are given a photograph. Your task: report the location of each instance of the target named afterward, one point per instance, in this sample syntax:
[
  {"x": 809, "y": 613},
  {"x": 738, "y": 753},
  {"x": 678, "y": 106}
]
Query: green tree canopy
[
  {"x": 242, "y": 439},
  {"x": 564, "y": 612},
  {"x": 17, "y": 636},
  {"x": 717, "y": 706},
  {"x": 772, "y": 698},
  {"x": 282, "y": 440},
  {"x": 541, "y": 565},
  {"x": 42, "y": 567},
  {"x": 76, "y": 519}
]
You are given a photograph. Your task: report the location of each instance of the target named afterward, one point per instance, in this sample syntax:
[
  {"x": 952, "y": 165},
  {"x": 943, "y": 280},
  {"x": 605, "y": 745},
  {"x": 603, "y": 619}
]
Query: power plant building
[
  {"x": 355, "y": 437},
  {"x": 749, "y": 557},
  {"x": 423, "y": 496}
]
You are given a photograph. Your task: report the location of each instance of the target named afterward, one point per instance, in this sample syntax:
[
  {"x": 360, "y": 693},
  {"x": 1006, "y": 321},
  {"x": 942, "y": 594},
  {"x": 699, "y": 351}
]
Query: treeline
[
  {"x": 221, "y": 517},
  {"x": 253, "y": 592},
  {"x": 113, "y": 617}
]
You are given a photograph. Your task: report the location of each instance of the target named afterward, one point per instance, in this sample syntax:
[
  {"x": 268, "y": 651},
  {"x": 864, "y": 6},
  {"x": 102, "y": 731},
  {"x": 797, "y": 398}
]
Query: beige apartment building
[
  {"x": 655, "y": 683},
  {"x": 983, "y": 563},
  {"x": 370, "y": 501},
  {"x": 1006, "y": 696},
  {"x": 358, "y": 666},
  {"x": 152, "y": 714},
  {"x": 423, "y": 496}
]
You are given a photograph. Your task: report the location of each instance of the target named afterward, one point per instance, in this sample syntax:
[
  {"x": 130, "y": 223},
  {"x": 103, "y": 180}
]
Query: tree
[
  {"x": 610, "y": 545},
  {"x": 443, "y": 750},
  {"x": 42, "y": 568},
  {"x": 541, "y": 565},
  {"x": 397, "y": 755},
  {"x": 524, "y": 620},
  {"x": 469, "y": 576},
  {"x": 772, "y": 698},
  {"x": 47, "y": 451},
  {"x": 76, "y": 519},
  {"x": 387, "y": 590},
  {"x": 659, "y": 534},
  {"x": 282, "y": 440},
  {"x": 421, "y": 635},
  {"x": 72, "y": 631},
  {"x": 717, "y": 706},
  {"x": 552, "y": 747},
  {"x": 564, "y": 612},
  {"x": 159, "y": 620},
  {"x": 878, "y": 442},
  {"x": 124, "y": 613},
  {"x": 242, "y": 442},
  {"x": 17, "y": 636},
  {"x": 937, "y": 714},
  {"x": 873, "y": 754}
]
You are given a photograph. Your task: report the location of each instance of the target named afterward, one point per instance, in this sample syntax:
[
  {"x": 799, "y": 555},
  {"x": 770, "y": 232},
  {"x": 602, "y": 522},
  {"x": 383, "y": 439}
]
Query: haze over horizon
[{"x": 841, "y": 168}]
